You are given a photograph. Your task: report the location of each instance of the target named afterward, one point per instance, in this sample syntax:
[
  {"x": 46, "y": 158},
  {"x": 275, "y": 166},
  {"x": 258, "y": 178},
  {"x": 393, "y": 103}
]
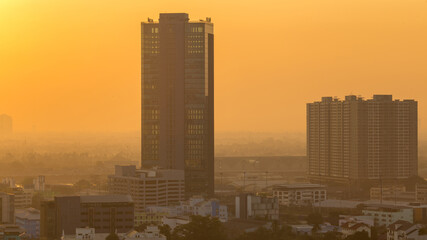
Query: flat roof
[
  {"x": 105, "y": 198},
  {"x": 299, "y": 185}
]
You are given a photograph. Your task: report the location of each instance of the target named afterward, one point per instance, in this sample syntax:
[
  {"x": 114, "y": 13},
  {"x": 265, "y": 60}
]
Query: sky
[{"x": 74, "y": 65}]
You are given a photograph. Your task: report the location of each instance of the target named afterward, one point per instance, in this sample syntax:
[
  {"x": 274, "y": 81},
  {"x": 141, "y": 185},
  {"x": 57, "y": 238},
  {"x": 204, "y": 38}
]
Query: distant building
[
  {"x": 23, "y": 197},
  {"x": 385, "y": 215},
  {"x": 376, "y": 193},
  {"x": 355, "y": 139},
  {"x": 421, "y": 193},
  {"x": 150, "y": 233},
  {"x": 199, "y": 206},
  {"x": 299, "y": 194},
  {"x": 39, "y": 183},
  {"x": 29, "y": 220},
  {"x": 104, "y": 213},
  {"x": 6, "y": 124},
  {"x": 10, "y": 182},
  {"x": 178, "y": 99},
  {"x": 7, "y": 208},
  {"x": 152, "y": 187},
  {"x": 249, "y": 206}
]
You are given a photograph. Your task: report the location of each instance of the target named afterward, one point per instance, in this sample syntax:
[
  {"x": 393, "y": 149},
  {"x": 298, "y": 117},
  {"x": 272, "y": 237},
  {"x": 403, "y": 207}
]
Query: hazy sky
[{"x": 68, "y": 65}]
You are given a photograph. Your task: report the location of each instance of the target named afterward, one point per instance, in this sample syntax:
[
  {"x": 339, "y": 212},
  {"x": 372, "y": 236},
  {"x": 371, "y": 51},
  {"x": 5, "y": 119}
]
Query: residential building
[
  {"x": 6, "y": 124},
  {"x": 355, "y": 139},
  {"x": 152, "y": 187},
  {"x": 249, "y": 206},
  {"x": 402, "y": 230},
  {"x": 7, "y": 208},
  {"x": 299, "y": 194},
  {"x": 103, "y": 213},
  {"x": 178, "y": 99},
  {"x": 29, "y": 220},
  {"x": 351, "y": 228}
]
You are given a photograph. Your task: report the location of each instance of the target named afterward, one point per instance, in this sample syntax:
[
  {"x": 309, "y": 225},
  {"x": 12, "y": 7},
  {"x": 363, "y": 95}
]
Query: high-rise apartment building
[
  {"x": 178, "y": 98},
  {"x": 356, "y": 139}
]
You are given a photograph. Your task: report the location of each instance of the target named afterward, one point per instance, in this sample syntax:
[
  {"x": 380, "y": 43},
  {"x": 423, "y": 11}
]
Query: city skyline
[{"x": 344, "y": 48}]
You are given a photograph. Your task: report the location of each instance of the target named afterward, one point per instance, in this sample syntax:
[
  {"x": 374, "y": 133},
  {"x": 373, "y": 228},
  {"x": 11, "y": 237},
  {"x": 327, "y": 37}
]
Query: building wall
[
  {"x": 384, "y": 218},
  {"x": 7, "y": 208},
  {"x": 299, "y": 196}
]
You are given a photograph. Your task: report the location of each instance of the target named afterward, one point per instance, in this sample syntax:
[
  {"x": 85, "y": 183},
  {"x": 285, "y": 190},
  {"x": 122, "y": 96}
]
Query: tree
[
  {"x": 315, "y": 218},
  {"x": 166, "y": 231},
  {"x": 112, "y": 236},
  {"x": 206, "y": 228}
]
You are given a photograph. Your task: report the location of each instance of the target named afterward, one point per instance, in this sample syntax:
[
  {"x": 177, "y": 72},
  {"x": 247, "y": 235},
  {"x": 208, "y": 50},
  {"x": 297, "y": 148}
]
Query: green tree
[
  {"x": 359, "y": 236},
  {"x": 112, "y": 236},
  {"x": 166, "y": 231},
  {"x": 205, "y": 228}
]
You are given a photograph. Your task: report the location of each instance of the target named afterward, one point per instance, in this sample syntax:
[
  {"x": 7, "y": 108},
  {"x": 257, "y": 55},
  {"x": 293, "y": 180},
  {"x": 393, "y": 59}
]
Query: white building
[
  {"x": 199, "y": 206},
  {"x": 150, "y": 233},
  {"x": 385, "y": 215},
  {"x": 299, "y": 194},
  {"x": 251, "y": 206},
  {"x": 174, "y": 222}
]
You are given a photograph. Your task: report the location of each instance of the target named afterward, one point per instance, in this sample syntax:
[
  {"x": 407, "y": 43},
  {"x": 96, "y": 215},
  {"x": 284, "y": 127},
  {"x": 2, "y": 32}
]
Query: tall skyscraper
[
  {"x": 178, "y": 98},
  {"x": 6, "y": 124},
  {"x": 359, "y": 139}
]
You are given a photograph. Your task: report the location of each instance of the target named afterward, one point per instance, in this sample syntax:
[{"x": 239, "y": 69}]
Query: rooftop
[{"x": 106, "y": 198}]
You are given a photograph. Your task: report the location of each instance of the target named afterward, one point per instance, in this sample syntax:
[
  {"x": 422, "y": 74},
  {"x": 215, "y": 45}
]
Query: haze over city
[
  {"x": 224, "y": 120},
  {"x": 75, "y": 65}
]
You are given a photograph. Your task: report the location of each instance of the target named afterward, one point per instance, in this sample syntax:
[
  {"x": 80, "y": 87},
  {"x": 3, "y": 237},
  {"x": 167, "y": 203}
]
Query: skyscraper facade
[
  {"x": 355, "y": 139},
  {"x": 178, "y": 98}
]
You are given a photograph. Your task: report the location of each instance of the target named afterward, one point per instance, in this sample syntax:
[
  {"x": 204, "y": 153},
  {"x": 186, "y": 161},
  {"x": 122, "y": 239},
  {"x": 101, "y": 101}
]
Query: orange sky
[{"x": 74, "y": 65}]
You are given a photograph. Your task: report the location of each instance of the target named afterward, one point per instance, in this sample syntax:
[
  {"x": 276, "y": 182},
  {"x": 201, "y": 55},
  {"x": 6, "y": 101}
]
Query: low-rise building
[
  {"x": 174, "y": 222},
  {"x": 7, "y": 208},
  {"x": 150, "y": 233},
  {"x": 378, "y": 193},
  {"x": 300, "y": 194},
  {"x": 421, "y": 193},
  {"x": 104, "y": 213},
  {"x": 12, "y": 232},
  {"x": 199, "y": 206},
  {"x": 385, "y": 215},
  {"x": 251, "y": 206},
  {"x": 351, "y": 228},
  {"x": 29, "y": 220},
  {"x": 403, "y": 230},
  {"x": 150, "y": 187}
]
